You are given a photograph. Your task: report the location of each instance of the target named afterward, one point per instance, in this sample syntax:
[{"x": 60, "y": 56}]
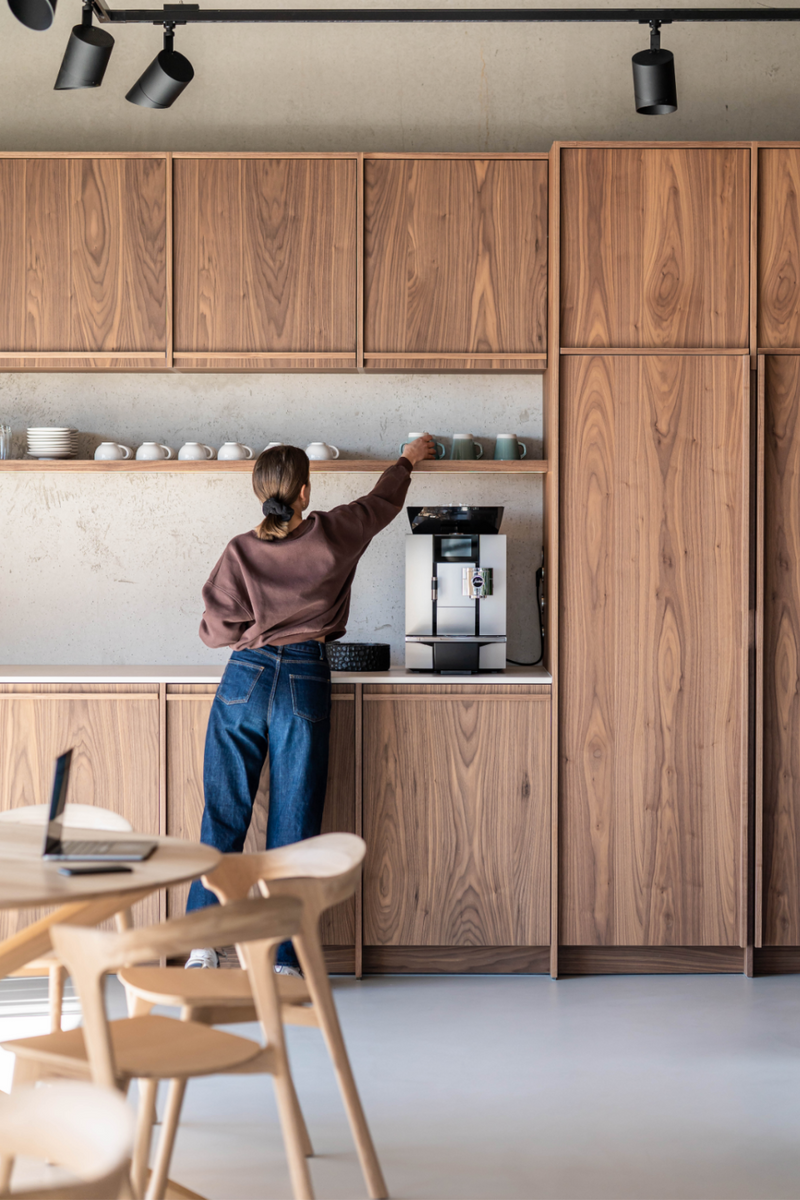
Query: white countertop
[{"x": 212, "y": 674}]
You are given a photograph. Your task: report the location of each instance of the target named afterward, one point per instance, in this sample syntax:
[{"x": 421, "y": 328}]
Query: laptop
[{"x": 86, "y": 850}]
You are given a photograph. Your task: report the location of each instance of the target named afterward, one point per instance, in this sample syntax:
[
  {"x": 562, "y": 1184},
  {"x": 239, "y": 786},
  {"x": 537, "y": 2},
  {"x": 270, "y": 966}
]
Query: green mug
[
  {"x": 412, "y": 437},
  {"x": 464, "y": 446},
  {"x": 507, "y": 447}
]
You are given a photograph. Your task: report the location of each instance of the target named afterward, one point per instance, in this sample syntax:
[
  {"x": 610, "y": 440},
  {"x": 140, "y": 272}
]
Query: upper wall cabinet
[
  {"x": 455, "y": 263},
  {"x": 655, "y": 247},
  {"x": 779, "y": 247},
  {"x": 265, "y": 262},
  {"x": 83, "y": 262}
]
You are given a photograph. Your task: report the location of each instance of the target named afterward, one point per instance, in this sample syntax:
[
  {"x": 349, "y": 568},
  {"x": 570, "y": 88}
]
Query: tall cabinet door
[
  {"x": 654, "y": 664},
  {"x": 780, "y": 858},
  {"x": 265, "y": 262}
]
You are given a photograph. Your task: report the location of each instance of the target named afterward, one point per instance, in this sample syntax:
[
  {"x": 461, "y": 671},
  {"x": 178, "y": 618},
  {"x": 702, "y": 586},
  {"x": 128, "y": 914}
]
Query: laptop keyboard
[{"x": 88, "y": 847}]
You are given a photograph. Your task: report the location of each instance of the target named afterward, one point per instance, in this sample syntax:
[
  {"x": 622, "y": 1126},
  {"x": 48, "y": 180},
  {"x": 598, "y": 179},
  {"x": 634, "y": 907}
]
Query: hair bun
[{"x": 273, "y": 507}]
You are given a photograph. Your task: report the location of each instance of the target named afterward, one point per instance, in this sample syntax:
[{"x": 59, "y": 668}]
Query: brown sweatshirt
[{"x": 275, "y": 593}]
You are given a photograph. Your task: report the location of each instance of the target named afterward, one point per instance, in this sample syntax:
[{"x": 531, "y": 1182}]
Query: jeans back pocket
[
  {"x": 311, "y": 697},
  {"x": 238, "y": 681}
]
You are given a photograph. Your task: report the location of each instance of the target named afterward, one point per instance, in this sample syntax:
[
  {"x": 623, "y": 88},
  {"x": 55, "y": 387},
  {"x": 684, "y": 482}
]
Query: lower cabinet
[
  {"x": 456, "y": 803},
  {"x": 188, "y": 708},
  {"x": 114, "y": 733}
]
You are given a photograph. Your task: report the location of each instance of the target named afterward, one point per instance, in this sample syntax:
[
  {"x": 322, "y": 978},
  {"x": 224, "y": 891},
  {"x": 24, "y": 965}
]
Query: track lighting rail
[{"x": 185, "y": 14}]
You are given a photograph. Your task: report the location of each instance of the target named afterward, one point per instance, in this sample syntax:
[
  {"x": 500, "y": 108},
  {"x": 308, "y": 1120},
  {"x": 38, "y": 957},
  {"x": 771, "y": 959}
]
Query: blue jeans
[{"x": 275, "y": 700}]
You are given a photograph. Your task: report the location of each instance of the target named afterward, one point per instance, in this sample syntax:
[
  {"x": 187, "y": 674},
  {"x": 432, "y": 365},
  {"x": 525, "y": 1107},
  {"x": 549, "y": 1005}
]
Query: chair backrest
[
  {"x": 89, "y": 954},
  {"x": 80, "y": 816},
  {"x": 321, "y": 871},
  {"x": 84, "y": 1128}
]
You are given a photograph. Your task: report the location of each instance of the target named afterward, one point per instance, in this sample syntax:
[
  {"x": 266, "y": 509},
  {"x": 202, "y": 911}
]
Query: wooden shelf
[{"x": 525, "y": 466}]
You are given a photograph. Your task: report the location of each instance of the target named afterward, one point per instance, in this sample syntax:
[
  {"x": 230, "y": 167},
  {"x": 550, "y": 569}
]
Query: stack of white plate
[{"x": 52, "y": 442}]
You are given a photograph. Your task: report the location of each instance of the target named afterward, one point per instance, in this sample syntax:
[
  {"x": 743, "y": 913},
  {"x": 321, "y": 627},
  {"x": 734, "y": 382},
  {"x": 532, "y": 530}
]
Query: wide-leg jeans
[{"x": 274, "y": 701}]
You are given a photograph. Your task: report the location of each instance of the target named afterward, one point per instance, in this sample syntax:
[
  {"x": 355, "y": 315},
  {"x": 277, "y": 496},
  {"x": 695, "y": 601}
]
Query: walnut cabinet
[{"x": 83, "y": 262}]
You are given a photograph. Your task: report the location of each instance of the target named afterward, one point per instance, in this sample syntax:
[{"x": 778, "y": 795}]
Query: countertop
[{"x": 212, "y": 674}]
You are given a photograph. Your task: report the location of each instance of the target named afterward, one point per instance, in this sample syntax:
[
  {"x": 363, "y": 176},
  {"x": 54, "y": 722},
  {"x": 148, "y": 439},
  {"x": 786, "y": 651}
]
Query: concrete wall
[{"x": 108, "y": 569}]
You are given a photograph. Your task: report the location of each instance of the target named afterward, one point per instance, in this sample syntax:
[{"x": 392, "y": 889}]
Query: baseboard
[
  {"x": 456, "y": 960},
  {"x": 776, "y": 960},
  {"x": 650, "y": 960},
  {"x": 340, "y": 960}
]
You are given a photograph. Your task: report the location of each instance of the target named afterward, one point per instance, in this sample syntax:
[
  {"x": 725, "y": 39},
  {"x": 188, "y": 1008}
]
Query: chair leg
[
  {"x": 172, "y": 1115},
  {"x": 313, "y": 963},
  {"x": 6, "y": 1169},
  {"x": 148, "y": 1091},
  {"x": 292, "y": 1128},
  {"x": 58, "y": 977}
]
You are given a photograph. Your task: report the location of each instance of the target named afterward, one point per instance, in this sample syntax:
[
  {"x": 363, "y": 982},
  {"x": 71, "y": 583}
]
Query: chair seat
[
  {"x": 144, "y": 1048},
  {"x": 196, "y": 987}
]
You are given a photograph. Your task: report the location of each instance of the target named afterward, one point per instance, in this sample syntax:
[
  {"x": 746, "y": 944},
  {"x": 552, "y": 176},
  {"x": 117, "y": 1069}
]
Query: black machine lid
[{"x": 449, "y": 520}]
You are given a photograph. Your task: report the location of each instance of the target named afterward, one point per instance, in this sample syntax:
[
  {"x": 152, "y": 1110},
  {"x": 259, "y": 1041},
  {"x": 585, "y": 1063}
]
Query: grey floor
[{"x": 492, "y": 1088}]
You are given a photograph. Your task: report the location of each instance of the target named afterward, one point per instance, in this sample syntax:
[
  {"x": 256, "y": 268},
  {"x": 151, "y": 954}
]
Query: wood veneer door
[
  {"x": 187, "y": 718},
  {"x": 655, "y": 247},
  {"x": 455, "y": 258},
  {"x": 781, "y": 532},
  {"x": 456, "y": 821},
  {"x": 653, "y": 652},
  {"x": 779, "y": 246},
  {"x": 115, "y": 764},
  {"x": 83, "y": 257},
  {"x": 265, "y": 257}
]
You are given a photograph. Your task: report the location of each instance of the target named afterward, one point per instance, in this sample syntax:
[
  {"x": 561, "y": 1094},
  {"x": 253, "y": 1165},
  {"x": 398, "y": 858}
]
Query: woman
[{"x": 277, "y": 594}]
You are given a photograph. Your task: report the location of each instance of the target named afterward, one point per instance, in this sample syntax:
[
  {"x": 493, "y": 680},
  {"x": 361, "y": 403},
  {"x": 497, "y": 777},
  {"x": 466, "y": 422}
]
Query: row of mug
[
  {"x": 506, "y": 447},
  {"x": 199, "y": 452}
]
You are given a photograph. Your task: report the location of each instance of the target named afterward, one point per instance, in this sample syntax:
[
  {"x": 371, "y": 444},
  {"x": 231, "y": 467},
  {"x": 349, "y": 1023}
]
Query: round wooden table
[{"x": 28, "y": 881}]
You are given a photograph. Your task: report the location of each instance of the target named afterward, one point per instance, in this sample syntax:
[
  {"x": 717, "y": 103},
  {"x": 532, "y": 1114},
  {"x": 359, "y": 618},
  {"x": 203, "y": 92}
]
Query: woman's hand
[{"x": 420, "y": 449}]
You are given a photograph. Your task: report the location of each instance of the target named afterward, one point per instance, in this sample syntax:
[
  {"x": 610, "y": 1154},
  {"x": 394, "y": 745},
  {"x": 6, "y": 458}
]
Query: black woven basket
[{"x": 358, "y": 656}]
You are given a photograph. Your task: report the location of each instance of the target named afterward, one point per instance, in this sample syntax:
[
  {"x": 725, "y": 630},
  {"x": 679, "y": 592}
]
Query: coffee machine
[{"x": 455, "y": 590}]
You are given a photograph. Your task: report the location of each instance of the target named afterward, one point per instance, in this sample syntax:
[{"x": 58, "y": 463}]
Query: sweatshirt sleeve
[
  {"x": 225, "y": 619},
  {"x": 363, "y": 518}
]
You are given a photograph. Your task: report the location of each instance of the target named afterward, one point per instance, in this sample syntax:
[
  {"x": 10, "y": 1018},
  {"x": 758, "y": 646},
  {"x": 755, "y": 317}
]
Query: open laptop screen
[{"x": 58, "y": 800}]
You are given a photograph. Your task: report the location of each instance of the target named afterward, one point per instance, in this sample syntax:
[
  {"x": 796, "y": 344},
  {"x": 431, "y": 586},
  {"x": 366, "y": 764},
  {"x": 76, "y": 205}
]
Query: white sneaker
[
  {"x": 282, "y": 969},
  {"x": 206, "y": 958}
]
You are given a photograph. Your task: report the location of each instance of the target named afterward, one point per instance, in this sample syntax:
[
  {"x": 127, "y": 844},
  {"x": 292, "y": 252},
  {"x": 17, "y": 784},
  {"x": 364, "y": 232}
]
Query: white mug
[
  {"x": 151, "y": 451},
  {"x": 319, "y": 451},
  {"x": 272, "y": 445},
  {"x": 191, "y": 451},
  {"x": 233, "y": 450},
  {"x": 112, "y": 451}
]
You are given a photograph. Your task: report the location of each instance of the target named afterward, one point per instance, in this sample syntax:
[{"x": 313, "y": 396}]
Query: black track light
[
  {"x": 654, "y": 77},
  {"x": 86, "y": 56},
  {"x": 36, "y": 14},
  {"x": 166, "y": 77}
]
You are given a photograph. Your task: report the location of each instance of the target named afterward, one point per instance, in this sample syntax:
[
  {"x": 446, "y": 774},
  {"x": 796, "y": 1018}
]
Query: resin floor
[{"x": 492, "y": 1088}]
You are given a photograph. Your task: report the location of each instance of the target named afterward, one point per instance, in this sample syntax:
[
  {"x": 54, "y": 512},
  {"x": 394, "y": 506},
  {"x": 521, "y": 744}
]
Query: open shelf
[{"x": 534, "y": 466}]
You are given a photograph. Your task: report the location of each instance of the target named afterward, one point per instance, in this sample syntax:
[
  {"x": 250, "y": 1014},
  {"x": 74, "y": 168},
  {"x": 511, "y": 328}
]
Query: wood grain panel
[
  {"x": 114, "y": 764},
  {"x": 83, "y": 259},
  {"x": 456, "y": 960},
  {"x": 655, "y": 247},
  {"x": 456, "y": 821},
  {"x": 455, "y": 259},
  {"x": 653, "y": 652},
  {"x": 650, "y": 960},
  {"x": 265, "y": 256},
  {"x": 781, "y": 533},
  {"x": 187, "y": 719},
  {"x": 779, "y": 246}
]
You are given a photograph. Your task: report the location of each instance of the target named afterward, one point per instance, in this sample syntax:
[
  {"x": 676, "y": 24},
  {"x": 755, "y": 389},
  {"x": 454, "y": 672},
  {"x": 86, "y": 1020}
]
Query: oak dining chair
[
  {"x": 86, "y": 1130},
  {"x": 151, "y": 1048},
  {"x": 319, "y": 872},
  {"x": 78, "y": 816}
]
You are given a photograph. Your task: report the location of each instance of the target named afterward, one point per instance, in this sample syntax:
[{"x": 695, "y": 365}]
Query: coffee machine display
[{"x": 455, "y": 590}]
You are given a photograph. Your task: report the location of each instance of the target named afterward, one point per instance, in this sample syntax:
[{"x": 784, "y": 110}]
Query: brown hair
[{"x": 279, "y": 474}]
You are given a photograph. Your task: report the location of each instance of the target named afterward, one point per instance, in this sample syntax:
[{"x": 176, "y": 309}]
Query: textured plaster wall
[{"x": 108, "y": 568}]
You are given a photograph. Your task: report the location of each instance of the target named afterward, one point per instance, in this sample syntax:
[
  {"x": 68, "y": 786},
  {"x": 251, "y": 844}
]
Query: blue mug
[{"x": 412, "y": 437}]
